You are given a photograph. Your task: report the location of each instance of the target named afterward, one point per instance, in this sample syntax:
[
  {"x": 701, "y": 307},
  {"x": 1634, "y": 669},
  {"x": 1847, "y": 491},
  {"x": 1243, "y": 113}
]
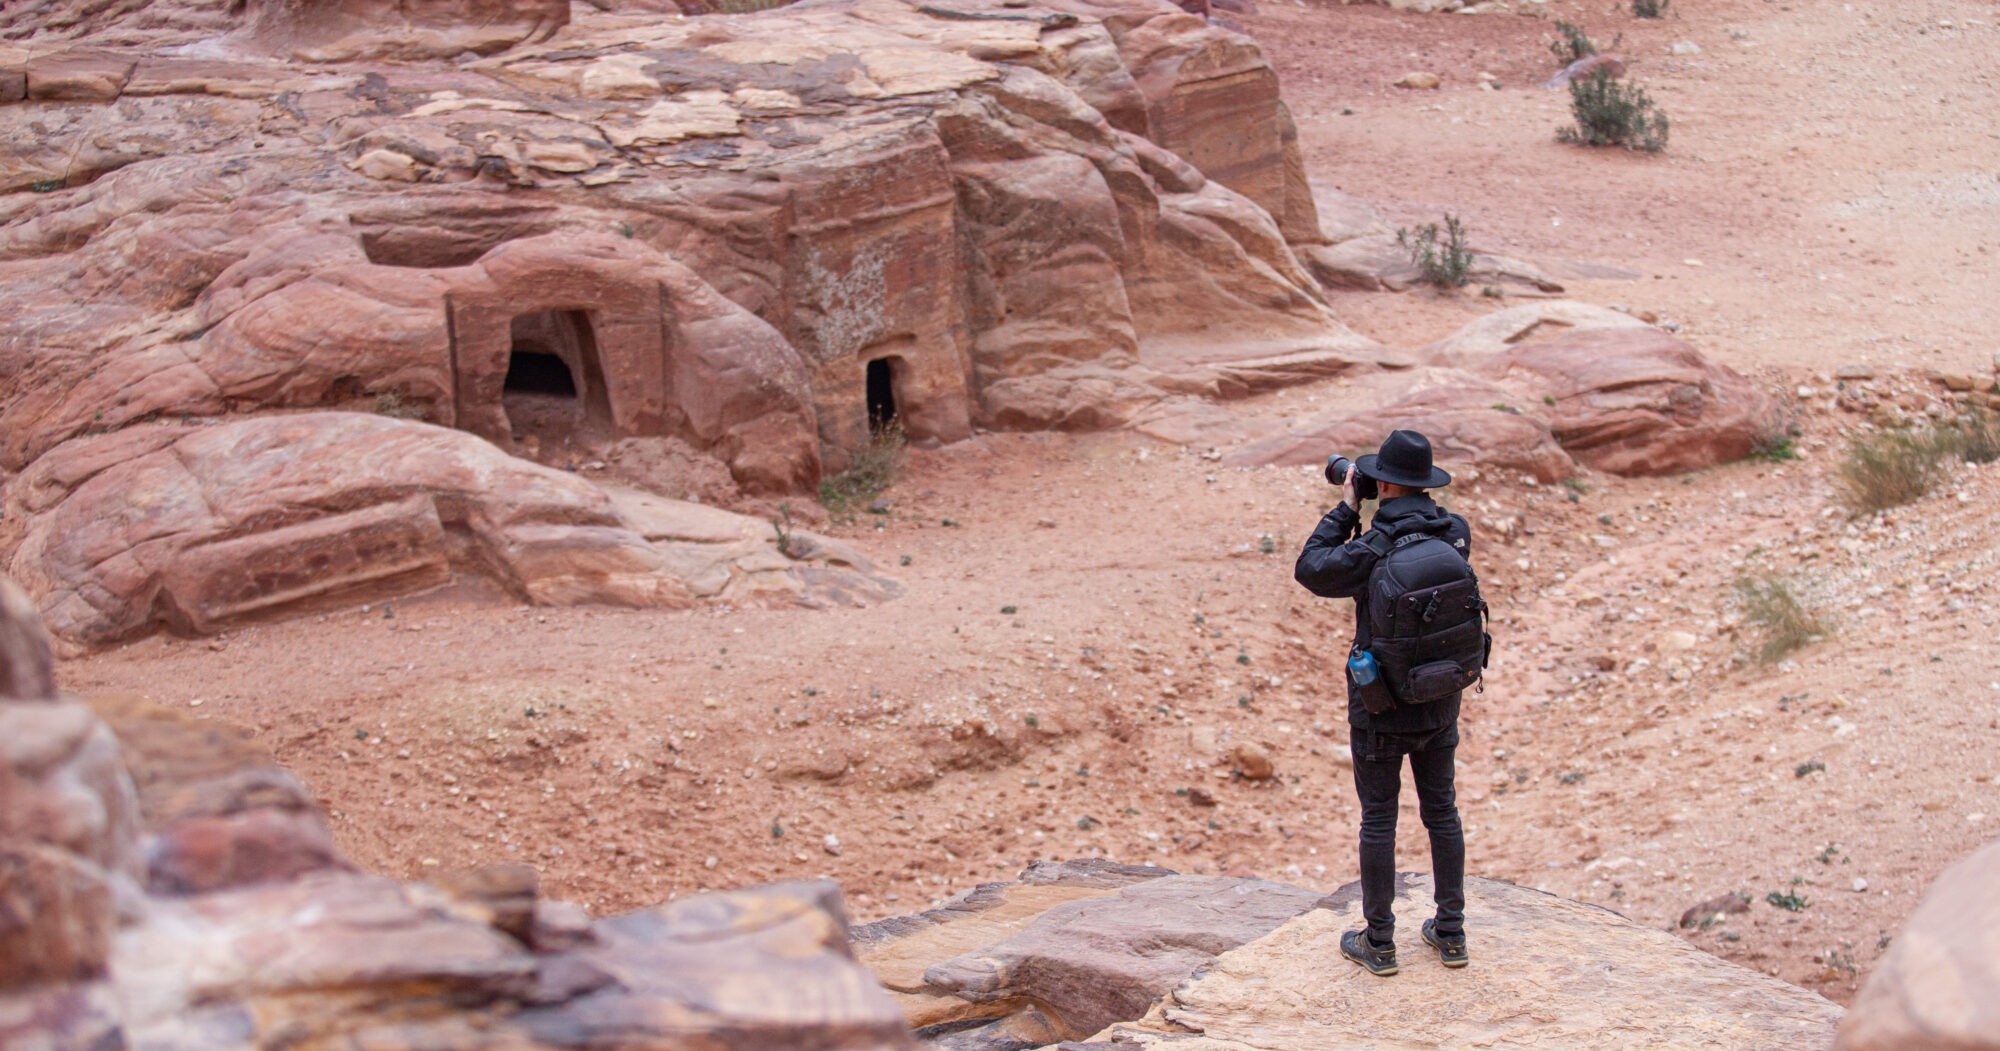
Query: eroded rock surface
[
  {"x": 747, "y": 237},
  {"x": 195, "y": 527},
  {"x": 253, "y": 933},
  {"x": 730, "y": 217},
  {"x": 1541, "y": 389},
  {"x": 1935, "y": 988},
  {"x": 1545, "y": 972},
  {"x": 1242, "y": 964}
]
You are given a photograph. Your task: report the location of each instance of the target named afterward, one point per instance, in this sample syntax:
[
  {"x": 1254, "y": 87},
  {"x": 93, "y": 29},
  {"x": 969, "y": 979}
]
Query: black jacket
[{"x": 1336, "y": 563}]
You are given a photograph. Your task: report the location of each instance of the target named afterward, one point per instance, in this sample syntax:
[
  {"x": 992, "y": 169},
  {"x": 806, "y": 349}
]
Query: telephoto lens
[{"x": 1337, "y": 467}]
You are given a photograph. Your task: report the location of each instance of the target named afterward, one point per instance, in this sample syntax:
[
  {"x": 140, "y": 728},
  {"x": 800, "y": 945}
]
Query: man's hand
[{"x": 1348, "y": 495}]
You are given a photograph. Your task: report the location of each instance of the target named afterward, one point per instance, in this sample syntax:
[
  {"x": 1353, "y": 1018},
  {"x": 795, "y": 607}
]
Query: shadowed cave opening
[
  {"x": 882, "y": 395},
  {"x": 555, "y": 383},
  {"x": 530, "y": 372}
]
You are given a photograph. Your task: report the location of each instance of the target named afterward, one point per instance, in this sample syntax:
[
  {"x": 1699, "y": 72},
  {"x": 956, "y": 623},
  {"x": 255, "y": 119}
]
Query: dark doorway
[
  {"x": 555, "y": 385},
  {"x": 529, "y": 372},
  {"x": 881, "y": 396}
]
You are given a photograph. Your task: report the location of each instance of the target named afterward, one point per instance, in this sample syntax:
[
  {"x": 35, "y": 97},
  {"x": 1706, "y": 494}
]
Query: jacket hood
[{"x": 1411, "y": 514}]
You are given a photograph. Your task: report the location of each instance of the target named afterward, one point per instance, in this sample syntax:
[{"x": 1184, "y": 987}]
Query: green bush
[
  {"x": 874, "y": 469},
  {"x": 1610, "y": 114},
  {"x": 1649, "y": 8},
  {"x": 1786, "y": 619},
  {"x": 1446, "y": 263}
]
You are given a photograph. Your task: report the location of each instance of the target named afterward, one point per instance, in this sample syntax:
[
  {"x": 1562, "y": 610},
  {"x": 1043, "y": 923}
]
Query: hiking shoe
[
  {"x": 1450, "y": 947},
  {"x": 1356, "y": 946}
]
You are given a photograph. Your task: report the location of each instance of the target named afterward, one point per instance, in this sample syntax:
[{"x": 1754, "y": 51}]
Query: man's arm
[{"x": 1331, "y": 566}]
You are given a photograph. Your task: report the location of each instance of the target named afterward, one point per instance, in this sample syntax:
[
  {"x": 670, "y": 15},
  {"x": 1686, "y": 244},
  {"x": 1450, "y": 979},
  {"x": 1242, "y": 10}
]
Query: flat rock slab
[
  {"x": 1546, "y": 972},
  {"x": 1067, "y": 953}
]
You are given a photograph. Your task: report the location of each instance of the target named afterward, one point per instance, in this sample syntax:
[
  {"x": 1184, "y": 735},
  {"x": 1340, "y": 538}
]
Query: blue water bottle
[{"x": 1361, "y": 667}]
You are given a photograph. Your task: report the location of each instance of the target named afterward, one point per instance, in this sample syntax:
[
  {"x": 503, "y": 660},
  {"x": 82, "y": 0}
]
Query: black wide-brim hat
[{"x": 1405, "y": 459}]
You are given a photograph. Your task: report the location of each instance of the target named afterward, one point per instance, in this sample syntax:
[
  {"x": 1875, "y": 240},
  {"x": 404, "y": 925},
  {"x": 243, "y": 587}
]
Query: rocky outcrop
[
  {"x": 1541, "y": 389},
  {"x": 196, "y": 527},
  {"x": 1545, "y": 972},
  {"x": 1151, "y": 958},
  {"x": 1934, "y": 988},
  {"x": 344, "y": 30},
  {"x": 752, "y": 238},
  {"x": 718, "y": 225},
  {"x": 1636, "y": 401},
  {"x": 69, "y": 860},
  {"x": 249, "y": 936}
]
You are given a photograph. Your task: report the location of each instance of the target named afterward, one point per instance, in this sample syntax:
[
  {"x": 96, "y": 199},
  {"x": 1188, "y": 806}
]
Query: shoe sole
[
  {"x": 1442, "y": 958},
  {"x": 1363, "y": 964}
]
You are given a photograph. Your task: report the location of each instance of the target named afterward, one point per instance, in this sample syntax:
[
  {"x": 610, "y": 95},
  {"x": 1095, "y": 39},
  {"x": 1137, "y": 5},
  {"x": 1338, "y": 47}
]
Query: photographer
[{"x": 1419, "y": 641}]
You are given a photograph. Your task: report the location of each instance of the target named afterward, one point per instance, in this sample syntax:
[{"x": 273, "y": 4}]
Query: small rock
[
  {"x": 386, "y": 165},
  {"x": 1685, "y": 47},
  {"x": 1677, "y": 641},
  {"x": 1957, "y": 381},
  {"x": 1253, "y": 761},
  {"x": 1860, "y": 884},
  {"x": 1854, "y": 372},
  {"x": 1714, "y": 909},
  {"x": 1420, "y": 81},
  {"x": 1200, "y": 797},
  {"x": 831, "y": 844}
]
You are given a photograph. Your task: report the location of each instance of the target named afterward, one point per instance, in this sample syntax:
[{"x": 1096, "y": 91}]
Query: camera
[{"x": 1338, "y": 467}]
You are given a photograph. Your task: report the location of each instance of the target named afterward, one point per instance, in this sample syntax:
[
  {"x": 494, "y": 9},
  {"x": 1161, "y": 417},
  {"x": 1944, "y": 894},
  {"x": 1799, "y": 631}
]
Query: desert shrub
[
  {"x": 1784, "y": 617},
  {"x": 1649, "y": 8},
  {"x": 1891, "y": 468},
  {"x": 1611, "y": 114},
  {"x": 874, "y": 469},
  {"x": 1572, "y": 44},
  {"x": 1441, "y": 253}
]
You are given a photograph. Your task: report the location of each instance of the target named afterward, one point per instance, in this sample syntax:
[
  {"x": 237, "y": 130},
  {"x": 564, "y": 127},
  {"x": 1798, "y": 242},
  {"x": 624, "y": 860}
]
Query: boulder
[
  {"x": 1545, "y": 972},
  {"x": 1636, "y": 401},
  {"x": 193, "y": 528},
  {"x": 1472, "y": 423},
  {"x": 68, "y": 843},
  {"x": 1488, "y": 336},
  {"x": 1934, "y": 988}
]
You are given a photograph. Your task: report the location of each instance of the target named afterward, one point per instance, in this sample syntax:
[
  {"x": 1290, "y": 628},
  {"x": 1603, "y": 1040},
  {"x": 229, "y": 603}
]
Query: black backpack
[{"x": 1427, "y": 620}]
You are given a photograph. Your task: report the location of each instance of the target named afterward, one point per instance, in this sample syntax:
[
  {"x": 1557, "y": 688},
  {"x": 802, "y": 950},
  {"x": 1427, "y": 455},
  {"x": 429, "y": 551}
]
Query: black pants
[{"x": 1378, "y": 779}]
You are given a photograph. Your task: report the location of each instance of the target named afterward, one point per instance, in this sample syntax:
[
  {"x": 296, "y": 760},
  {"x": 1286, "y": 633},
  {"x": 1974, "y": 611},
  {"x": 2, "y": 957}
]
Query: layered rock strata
[{"x": 194, "y": 528}]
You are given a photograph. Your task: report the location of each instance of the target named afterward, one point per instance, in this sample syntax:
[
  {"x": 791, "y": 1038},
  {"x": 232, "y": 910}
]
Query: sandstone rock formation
[
  {"x": 1209, "y": 962},
  {"x": 1935, "y": 987},
  {"x": 344, "y": 30},
  {"x": 1545, "y": 972},
  {"x": 758, "y": 237},
  {"x": 195, "y": 527},
  {"x": 724, "y": 222},
  {"x": 1541, "y": 388},
  {"x": 255, "y": 934}
]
